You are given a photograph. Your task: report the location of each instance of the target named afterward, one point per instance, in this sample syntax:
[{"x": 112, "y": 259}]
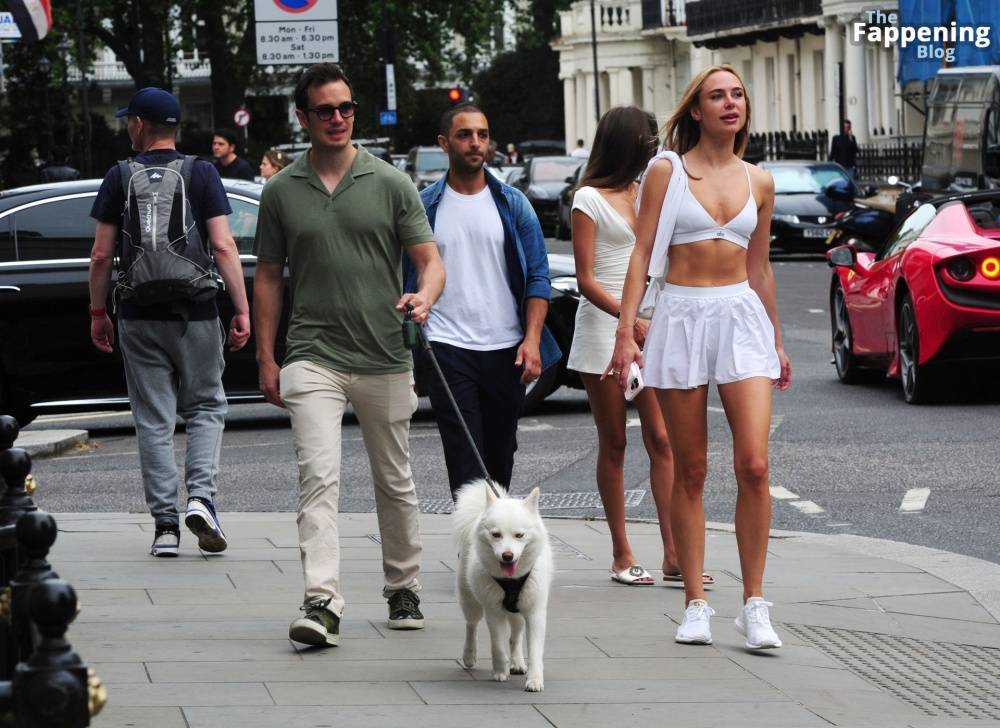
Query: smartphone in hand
[{"x": 634, "y": 384}]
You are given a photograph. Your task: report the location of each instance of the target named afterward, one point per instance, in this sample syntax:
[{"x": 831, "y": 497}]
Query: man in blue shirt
[
  {"x": 487, "y": 328},
  {"x": 173, "y": 350}
]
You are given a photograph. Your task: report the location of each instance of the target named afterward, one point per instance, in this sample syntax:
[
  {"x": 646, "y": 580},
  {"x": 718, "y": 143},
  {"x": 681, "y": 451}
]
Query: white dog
[{"x": 505, "y": 572}]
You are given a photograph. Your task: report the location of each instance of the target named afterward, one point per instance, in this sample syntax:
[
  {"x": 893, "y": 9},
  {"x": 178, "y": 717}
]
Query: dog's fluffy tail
[{"x": 469, "y": 506}]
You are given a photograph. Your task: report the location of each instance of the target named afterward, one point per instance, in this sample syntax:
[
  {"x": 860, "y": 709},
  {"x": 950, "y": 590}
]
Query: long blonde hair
[{"x": 682, "y": 132}]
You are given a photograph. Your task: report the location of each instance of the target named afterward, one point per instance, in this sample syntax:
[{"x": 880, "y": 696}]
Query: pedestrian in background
[
  {"x": 273, "y": 161},
  {"x": 340, "y": 219},
  {"x": 715, "y": 321},
  {"x": 512, "y": 155},
  {"x": 581, "y": 151},
  {"x": 226, "y": 162},
  {"x": 59, "y": 169},
  {"x": 488, "y": 327},
  {"x": 172, "y": 347},
  {"x": 604, "y": 217},
  {"x": 844, "y": 149}
]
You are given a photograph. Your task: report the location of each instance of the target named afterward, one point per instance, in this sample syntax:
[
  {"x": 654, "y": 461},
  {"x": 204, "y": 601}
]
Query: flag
[{"x": 33, "y": 18}]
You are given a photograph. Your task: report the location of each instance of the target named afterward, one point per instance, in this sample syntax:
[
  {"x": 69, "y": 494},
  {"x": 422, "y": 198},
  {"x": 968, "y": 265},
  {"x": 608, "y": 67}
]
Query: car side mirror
[
  {"x": 843, "y": 256},
  {"x": 841, "y": 190},
  {"x": 570, "y": 180},
  {"x": 409, "y": 167}
]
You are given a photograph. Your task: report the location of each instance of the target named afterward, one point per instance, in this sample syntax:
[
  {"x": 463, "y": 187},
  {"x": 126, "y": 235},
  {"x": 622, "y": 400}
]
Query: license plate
[{"x": 816, "y": 232}]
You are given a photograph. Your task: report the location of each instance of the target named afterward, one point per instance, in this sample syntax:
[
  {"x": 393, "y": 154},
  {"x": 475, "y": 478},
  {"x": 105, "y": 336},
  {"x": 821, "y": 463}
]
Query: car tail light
[
  {"x": 961, "y": 269},
  {"x": 990, "y": 268}
]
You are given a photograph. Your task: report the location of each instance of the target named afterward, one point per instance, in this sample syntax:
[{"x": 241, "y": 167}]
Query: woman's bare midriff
[{"x": 707, "y": 263}]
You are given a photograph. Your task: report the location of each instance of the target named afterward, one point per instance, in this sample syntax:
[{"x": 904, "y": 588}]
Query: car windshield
[
  {"x": 555, "y": 169},
  {"x": 432, "y": 160},
  {"x": 803, "y": 180}
]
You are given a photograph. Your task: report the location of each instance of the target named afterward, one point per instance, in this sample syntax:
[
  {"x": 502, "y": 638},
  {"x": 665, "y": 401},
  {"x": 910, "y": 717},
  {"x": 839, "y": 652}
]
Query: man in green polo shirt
[{"x": 340, "y": 219}]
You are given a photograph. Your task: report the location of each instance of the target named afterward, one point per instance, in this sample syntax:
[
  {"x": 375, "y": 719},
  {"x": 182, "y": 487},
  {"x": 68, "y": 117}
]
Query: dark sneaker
[
  {"x": 319, "y": 627},
  {"x": 404, "y": 610},
  {"x": 166, "y": 541},
  {"x": 203, "y": 523}
]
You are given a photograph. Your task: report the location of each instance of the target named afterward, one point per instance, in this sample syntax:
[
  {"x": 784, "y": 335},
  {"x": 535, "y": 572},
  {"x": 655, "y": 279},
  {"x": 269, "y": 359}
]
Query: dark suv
[{"x": 47, "y": 363}]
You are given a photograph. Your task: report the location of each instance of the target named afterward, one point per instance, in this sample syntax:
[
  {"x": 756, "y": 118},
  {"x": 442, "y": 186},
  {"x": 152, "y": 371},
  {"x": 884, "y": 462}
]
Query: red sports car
[{"x": 930, "y": 296}]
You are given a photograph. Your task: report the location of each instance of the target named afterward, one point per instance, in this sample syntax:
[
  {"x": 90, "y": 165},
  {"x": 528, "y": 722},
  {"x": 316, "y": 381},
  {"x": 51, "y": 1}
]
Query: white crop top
[{"x": 694, "y": 224}]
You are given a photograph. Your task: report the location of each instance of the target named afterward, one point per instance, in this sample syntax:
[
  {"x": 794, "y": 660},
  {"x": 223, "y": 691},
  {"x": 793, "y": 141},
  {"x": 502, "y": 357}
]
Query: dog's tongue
[{"x": 508, "y": 569}]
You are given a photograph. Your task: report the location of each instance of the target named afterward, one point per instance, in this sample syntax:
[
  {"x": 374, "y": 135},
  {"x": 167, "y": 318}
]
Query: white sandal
[{"x": 634, "y": 575}]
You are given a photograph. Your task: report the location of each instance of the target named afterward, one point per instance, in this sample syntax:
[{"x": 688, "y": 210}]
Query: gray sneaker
[
  {"x": 404, "y": 610},
  {"x": 319, "y": 626}
]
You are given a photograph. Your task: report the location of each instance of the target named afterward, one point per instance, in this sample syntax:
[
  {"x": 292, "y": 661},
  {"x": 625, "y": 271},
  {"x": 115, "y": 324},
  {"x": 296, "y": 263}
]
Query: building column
[
  {"x": 833, "y": 54},
  {"x": 591, "y": 123},
  {"x": 648, "y": 99},
  {"x": 582, "y": 108},
  {"x": 614, "y": 92},
  {"x": 856, "y": 88},
  {"x": 569, "y": 111}
]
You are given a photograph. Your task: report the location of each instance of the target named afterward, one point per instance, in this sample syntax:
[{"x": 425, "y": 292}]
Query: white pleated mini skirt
[{"x": 702, "y": 335}]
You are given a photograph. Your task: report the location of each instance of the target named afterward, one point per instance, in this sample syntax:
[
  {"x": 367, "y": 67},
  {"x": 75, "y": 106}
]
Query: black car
[
  {"x": 47, "y": 362},
  {"x": 803, "y": 212},
  {"x": 543, "y": 180},
  {"x": 564, "y": 210}
]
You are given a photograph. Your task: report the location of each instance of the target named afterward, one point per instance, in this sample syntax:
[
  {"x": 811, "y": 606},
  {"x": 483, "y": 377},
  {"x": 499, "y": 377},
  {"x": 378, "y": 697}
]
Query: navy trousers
[{"x": 489, "y": 393}]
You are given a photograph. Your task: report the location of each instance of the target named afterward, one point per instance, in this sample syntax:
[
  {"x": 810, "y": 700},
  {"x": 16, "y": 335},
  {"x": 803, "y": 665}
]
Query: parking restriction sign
[
  {"x": 241, "y": 117},
  {"x": 296, "y": 31}
]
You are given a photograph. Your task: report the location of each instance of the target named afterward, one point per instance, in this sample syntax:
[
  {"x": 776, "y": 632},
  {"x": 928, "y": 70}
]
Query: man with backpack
[{"x": 164, "y": 215}]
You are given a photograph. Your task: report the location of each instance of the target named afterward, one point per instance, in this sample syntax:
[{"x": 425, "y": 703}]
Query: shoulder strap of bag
[{"x": 668, "y": 212}]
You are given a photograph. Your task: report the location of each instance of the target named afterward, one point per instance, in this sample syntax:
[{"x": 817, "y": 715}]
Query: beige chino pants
[{"x": 316, "y": 397}]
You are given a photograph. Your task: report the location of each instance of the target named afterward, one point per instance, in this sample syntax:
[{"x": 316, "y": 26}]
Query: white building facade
[{"x": 802, "y": 69}]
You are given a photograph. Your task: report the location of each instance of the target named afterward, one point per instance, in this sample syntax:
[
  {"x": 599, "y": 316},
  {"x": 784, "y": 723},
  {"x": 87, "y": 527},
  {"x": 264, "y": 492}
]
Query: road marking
[
  {"x": 779, "y": 493},
  {"x": 815, "y": 310},
  {"x": 776, "y": 421},
  {"x": 914, "y": 500},
  {"x": 715, "y": 409},
  {"x": 534, "y": 426},
  {"x": 807, "y": 507},
  {"x": 633, "y": 422}
]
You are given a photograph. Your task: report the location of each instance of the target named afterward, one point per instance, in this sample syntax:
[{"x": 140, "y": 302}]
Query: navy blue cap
[{"x": 153, "y": 104}]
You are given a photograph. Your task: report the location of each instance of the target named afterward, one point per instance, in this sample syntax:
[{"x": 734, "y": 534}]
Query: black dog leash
[{"x": 413, "y": 336}]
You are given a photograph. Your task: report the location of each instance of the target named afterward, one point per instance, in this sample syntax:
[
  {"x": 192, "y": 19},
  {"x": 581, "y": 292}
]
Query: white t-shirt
[
  {"x": 477, "y": 309},
  {"x": 580, "y": 152}
]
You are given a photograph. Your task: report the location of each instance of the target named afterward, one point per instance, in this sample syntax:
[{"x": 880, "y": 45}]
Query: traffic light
[{"x": 455, "y": 95}]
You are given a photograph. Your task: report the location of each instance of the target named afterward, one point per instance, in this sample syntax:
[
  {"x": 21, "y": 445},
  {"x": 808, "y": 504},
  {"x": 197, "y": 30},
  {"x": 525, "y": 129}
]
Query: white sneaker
[
  {"x": 754, "y": 623},
  {"x": 694, "y": 630},
  {"x": 166, "y": 542}
]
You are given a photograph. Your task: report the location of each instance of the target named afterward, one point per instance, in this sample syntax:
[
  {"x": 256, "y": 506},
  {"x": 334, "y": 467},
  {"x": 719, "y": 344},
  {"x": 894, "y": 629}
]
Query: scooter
[{"x": 868, "y": 223}]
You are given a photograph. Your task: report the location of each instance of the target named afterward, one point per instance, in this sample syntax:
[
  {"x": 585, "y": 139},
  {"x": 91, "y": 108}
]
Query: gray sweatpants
[{"x": 174, "y": 368}]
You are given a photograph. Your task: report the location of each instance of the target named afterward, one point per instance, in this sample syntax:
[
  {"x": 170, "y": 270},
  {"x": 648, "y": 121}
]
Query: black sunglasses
[{"x": 325, "y": 112}]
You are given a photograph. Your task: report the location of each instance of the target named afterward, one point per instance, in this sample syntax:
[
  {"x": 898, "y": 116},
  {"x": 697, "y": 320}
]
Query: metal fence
[
  {"x": 901, "y": 158},
  {"x": 43, "y": 683},
  {"x": 773, "y": 145}
]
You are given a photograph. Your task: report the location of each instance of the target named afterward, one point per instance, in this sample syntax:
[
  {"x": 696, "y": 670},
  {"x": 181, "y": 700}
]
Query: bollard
[{"x": 36, "y": 532}]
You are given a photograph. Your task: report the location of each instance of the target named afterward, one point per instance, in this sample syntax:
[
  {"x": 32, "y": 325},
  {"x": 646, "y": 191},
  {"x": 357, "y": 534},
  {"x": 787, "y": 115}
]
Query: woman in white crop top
[
  {"x": 715, "y": 322},
  {"x": 603, "y": 237}
]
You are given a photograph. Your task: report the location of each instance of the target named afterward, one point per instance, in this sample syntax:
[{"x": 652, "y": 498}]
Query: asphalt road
[{"x": 844, "y": 459}]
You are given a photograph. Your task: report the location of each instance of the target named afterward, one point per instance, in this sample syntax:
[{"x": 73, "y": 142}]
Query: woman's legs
[
  {"x": 685, "y": 413},
  {"x": 748, "y": 409},
  {"x": 608, "y": 407},
  {"x": 661, "y": 471}
]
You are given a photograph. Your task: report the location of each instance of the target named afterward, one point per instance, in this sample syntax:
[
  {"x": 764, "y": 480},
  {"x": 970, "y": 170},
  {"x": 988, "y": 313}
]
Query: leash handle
[{"x": 411, "y": 330}]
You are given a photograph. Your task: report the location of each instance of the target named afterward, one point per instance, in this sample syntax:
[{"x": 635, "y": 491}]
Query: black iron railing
[
  {"x": 712, "y": 16},
  {"x": 774, "y": 145},
  {"x": 43, "y": 683}
]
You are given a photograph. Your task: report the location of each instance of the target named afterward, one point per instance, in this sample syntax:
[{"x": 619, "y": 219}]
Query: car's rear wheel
[
  {"x": 919, "y": 386},
  {"x": 844, "y": 360}
]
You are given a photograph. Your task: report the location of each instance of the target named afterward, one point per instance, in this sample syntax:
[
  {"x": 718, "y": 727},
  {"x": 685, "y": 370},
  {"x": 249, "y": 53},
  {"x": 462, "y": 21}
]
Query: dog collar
[{"x": 511, "y": 591}]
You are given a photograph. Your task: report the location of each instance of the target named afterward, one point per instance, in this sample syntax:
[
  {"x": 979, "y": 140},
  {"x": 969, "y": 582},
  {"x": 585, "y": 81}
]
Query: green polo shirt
[{"x": 343, "y": 252}]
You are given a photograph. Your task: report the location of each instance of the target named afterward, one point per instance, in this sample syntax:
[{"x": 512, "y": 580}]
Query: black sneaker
[
  {"x": 404, "y": 610},
  {"x": 319, "y": 627},
  {"x": 166, "y": 541}
]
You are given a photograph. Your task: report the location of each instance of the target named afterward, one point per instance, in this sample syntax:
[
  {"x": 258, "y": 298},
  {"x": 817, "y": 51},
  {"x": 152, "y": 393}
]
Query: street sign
[
  {"x": 387, "y": 118},
  {"x": 390, "y": 87},
  {"x": 241, "y": 117},
  {"x": 296, "y": 31},
  {"x": 8, "y": 28}
]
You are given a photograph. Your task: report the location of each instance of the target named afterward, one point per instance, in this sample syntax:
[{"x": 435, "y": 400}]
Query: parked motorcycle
[{"x": 868, "y": 223}]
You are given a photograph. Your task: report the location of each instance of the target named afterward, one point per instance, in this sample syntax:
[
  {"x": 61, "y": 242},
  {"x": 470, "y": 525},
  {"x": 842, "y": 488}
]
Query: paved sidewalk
[{"x": 875, "y": 635}]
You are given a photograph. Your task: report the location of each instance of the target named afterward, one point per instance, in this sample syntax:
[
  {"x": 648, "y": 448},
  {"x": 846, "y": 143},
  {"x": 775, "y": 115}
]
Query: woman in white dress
[{"x": 603, "y": 237}]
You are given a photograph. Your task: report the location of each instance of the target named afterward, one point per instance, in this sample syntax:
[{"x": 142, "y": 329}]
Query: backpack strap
[
  {"x": 187, "y": 169},
  {"x": 125, "y": 172}
]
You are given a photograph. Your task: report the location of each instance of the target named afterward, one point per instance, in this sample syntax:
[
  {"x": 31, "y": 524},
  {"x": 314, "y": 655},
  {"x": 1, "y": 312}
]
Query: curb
[{"x": 45, "y": 443}]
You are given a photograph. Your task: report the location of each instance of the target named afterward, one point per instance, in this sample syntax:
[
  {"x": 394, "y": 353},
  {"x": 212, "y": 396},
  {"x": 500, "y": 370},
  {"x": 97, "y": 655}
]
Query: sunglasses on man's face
[{"x": 325, "y": 112}]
